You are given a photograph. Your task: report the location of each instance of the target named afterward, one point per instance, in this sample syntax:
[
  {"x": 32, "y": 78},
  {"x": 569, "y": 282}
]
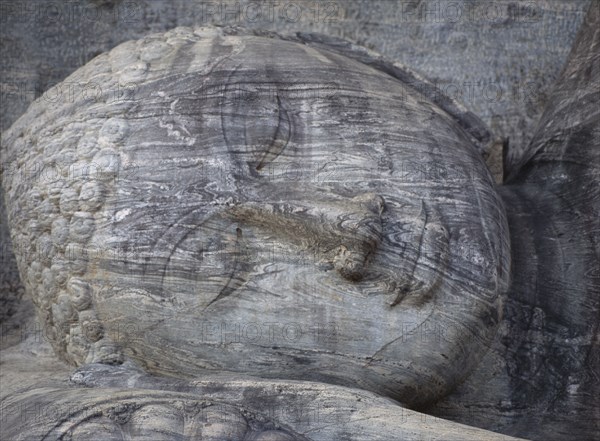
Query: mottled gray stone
[
  {"x": 547, "y": 357},
  {"x": 375, "y": 244},
  {"x": 197, "y": 212}
]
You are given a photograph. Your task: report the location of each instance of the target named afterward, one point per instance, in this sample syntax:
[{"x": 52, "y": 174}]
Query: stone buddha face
[{"x": 293, "y": 213}]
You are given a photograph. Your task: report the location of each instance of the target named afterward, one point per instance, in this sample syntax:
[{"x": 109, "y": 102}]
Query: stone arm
[{"x": 102, "y": 402}]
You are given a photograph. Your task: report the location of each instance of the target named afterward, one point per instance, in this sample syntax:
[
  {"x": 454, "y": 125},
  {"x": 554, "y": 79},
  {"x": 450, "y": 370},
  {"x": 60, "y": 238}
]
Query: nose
[{"x": 345, "y": 231}]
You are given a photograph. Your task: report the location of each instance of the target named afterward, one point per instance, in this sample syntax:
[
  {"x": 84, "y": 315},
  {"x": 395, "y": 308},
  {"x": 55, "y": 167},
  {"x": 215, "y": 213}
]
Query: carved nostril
[
  {"x": 372, "y": 202},
  {"x": 363, "y": 225},
  {"x": 350, "y": 264}
]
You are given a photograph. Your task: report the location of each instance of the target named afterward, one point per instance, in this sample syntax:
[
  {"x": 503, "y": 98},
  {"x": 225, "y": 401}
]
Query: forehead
[{"x": 260, "y": 104}]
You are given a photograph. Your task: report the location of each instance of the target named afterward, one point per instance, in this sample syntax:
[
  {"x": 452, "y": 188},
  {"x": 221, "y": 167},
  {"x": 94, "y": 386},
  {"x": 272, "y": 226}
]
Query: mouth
[{"x": 431, "y": 239}]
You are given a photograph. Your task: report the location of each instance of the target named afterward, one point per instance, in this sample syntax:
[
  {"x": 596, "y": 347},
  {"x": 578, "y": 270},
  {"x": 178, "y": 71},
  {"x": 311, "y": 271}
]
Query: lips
[{"x": 431, "y": 240}]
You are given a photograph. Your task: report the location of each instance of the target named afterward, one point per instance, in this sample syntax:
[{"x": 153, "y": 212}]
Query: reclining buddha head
[{"x": 261, "y": 205}]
